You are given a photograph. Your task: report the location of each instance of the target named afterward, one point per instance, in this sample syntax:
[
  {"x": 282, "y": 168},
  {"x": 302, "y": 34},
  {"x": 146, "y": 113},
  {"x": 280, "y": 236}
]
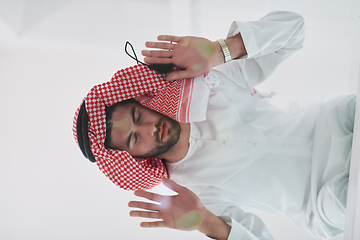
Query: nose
[{"x": 147, "y": 129}]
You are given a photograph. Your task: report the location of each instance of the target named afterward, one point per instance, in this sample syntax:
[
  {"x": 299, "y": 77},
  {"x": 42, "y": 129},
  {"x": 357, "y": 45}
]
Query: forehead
[{"x": 124, "y": 109}]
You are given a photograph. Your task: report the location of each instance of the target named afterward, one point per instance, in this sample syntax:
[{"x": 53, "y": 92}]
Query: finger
[
  {"x": 171, "y": 184},
  {"x": 155, "y": 60},
  {"x": 179, "y": 75},
  {"x": 152, "y": 224},
  {"x": 161, "y": 54},
  {"x": 151, "y": 196},
  {"x": 170, "y": 38},
  {"x": 144, "y": 205},
  {"x": 153, "y": 215},
  {"x": 160, "y": 45}
]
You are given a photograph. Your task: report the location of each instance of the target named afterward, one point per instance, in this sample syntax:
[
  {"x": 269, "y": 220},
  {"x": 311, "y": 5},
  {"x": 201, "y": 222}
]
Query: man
[{"x": 246, "y": 154}]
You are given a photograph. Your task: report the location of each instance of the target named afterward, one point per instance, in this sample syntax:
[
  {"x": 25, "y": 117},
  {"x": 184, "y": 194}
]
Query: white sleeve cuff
[{"x": 238, "y": 231}]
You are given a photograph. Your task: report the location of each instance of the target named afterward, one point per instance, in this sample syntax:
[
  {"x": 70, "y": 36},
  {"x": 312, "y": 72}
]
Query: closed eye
[
  {"x": 133, "y": 114},
  {"x": 135, "y": 137},
  {"x": 131, "y": 135},
  {"x": 138, "y": 119}
]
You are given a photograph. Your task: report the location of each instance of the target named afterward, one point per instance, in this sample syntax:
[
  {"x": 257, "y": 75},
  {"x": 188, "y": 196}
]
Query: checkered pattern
[{"x": 152, "y": 91}]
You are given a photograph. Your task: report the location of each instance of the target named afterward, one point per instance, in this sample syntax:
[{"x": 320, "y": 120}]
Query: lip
[{"x": 163, "y": 131}]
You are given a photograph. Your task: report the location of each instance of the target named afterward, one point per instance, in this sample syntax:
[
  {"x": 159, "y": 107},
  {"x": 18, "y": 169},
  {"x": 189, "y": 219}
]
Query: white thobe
[{"x": 249, "y": 154}]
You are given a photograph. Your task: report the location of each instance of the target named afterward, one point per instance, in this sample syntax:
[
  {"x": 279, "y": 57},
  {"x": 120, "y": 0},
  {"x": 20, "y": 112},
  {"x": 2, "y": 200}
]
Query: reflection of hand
[
  {"x": 194, "y": 55},
  {"x": 183, "y": 211}
]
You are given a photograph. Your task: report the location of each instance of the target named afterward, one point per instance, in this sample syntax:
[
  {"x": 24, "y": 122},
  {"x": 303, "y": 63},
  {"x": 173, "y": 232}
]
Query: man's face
[{"x": 142, "y": 132}]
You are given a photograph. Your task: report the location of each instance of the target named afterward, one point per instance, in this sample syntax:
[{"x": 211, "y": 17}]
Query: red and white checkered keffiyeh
[{"x": 182, "y": 100}]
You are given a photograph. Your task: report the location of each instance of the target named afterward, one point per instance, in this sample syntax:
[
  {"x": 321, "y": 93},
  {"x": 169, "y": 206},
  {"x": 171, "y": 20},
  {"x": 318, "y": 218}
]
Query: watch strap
[{"x": 225, "y": 50}]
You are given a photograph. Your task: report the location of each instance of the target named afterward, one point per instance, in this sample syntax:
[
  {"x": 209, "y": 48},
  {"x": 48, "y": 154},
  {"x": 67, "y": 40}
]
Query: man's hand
[
  {"x": 183, "y": 211},
  {"x": 194, "y": 55}
]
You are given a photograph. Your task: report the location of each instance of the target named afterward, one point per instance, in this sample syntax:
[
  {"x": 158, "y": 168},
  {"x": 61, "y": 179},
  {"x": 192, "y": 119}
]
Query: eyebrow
[{"x": 132, "y": 112}]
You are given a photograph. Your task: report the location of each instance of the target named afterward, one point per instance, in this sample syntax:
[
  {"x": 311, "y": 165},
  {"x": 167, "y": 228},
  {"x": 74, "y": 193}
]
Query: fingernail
[
  {"x": 134, "y": 214},
  {"x": 173, "y": 77},
  {"x": 146, "y": 59},
  {"x": 145, "y": 52},
  {"x": 144, "y": 224},
  {"x": 150, "y": 44}
]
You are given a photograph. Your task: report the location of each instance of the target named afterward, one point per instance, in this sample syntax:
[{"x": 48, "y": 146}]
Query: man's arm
[
  {"x": 194, "y": 55},
  {"x": 268, "y": 42},
  {"x": 262, "y": 45},
  {"x": 183, "y": 211}
]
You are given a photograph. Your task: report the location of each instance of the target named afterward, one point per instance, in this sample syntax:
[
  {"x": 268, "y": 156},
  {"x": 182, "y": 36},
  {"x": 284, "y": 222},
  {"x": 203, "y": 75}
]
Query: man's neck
[{"x": 180, "y": 149}]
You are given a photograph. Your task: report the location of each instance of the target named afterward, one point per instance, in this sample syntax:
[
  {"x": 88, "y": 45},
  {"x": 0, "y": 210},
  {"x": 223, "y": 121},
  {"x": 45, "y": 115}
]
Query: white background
[{"x": 52, "y": 52}]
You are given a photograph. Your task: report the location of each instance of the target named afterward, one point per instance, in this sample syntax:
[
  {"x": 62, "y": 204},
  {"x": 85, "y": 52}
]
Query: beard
[{"x": 162, "y": 147}]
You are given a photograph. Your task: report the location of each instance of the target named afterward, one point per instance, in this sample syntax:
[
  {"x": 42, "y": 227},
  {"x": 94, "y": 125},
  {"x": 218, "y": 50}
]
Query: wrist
[
  {"x": 225, "y": 50},
  {"x": 218, "y": 57},
  {"x": 214, "y": 227},
  {"x": 236, "y": 46}
]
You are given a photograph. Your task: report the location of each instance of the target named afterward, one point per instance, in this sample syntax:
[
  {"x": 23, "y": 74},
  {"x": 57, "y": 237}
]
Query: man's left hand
[{"x": 183, "y": 211}]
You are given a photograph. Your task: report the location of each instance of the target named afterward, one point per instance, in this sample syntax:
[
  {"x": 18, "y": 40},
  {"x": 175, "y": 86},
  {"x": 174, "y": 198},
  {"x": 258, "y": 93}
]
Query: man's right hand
[
  {"x": 183, "y": 211},
  {"x": 194, "y": 55}
]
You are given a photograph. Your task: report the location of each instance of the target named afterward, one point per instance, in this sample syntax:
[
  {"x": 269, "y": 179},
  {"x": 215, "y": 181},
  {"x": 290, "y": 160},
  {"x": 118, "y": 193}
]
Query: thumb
[
  {"x": 171, "y": 185},
  {"x": 179, "y": 75}
]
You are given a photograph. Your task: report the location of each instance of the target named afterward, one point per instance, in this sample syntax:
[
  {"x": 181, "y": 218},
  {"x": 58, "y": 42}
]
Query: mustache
[{"x": 157, "y": 126}]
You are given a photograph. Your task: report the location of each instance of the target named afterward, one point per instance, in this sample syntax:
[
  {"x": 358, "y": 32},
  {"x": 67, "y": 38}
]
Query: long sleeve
[
  {"x": 268, "y": 42},
  {"x": 231, "y": 144},
  {"x": 244, "y": 226}
]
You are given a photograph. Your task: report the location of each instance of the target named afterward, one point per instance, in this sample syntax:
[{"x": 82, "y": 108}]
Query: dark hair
[
  {"x": 161, "y": 68},
  {"x": 109, "y": 112}
]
